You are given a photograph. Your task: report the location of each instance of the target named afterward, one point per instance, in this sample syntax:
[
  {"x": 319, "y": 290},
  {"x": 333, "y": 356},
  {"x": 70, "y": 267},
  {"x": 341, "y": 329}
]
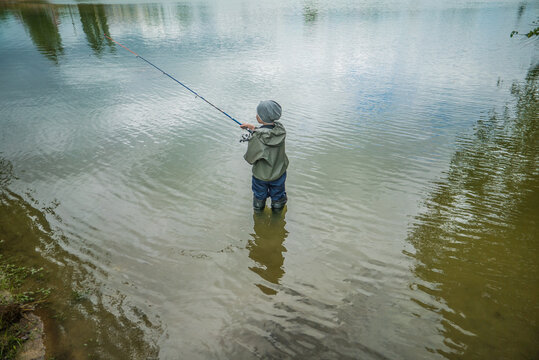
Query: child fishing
[{"x": 266, "y": 153}]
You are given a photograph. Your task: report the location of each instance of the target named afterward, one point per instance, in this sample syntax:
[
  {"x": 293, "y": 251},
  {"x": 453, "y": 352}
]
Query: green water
[{"x": 411, "y": 229}]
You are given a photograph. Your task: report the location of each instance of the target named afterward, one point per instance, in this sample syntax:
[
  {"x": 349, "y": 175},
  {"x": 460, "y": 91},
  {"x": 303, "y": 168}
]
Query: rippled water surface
[{"x": 411, "y": 228}]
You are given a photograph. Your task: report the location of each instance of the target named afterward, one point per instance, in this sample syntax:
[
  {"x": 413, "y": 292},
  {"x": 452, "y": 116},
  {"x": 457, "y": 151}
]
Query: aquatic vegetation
[{"x": 16, "y": 299}]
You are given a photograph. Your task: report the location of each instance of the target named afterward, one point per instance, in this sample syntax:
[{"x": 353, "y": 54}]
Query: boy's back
[{"x": 266, "y": 152}]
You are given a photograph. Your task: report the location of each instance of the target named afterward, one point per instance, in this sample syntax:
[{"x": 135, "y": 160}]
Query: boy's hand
[{"x": 247, "y": 126}]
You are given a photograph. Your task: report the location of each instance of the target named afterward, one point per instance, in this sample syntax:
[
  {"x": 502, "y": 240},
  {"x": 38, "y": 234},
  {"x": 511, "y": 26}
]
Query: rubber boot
[
  {"x": 279, "y": 204},
  {"x": 258, "y": 205}
]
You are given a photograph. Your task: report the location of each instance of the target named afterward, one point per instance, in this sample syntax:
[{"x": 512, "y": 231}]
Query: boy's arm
[{"x": 248, "y": 126}]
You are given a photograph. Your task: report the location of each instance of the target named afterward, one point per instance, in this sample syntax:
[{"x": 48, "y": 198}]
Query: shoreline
[{"x": 23, "y": 335}]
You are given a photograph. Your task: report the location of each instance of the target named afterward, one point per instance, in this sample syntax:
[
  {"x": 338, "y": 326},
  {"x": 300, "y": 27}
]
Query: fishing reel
[{"x": 246, "y": 136}]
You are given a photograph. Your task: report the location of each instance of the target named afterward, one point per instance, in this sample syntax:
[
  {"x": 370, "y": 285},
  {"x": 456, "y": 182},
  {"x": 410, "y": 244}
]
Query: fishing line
[{"x": 179, "y": 82}]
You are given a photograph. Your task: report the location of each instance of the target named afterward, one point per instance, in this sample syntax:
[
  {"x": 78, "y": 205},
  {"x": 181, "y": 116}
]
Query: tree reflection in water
[
  {"x": 41, "y": 22},
  {"x": 94, "y": 24},
  {"x": 476, "y": 244}
]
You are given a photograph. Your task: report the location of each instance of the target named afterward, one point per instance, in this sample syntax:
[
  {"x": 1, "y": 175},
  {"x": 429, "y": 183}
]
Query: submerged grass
[{"x": 17, "y": 297}]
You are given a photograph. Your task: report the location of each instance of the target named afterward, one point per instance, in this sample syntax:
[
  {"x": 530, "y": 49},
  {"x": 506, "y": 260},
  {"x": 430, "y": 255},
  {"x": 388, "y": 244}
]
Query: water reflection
[
  {"x": 3, "y": 13},
  {"x": 266, "y": 247},
  {"x": 77, "y": 322},
  {"x": 310, "y": 12},
  {"x": 521, "y": 10},
  {"x": 6, "y": 173},
  {"x": 41, "y": 22},
  {"x": 476, "y": 245},
  {"x": 94, "y": 24},
  {"x": 184, "y": 13}
]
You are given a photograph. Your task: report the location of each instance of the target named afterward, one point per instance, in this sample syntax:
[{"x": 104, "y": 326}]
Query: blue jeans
[{"x": 274, "y": 189}]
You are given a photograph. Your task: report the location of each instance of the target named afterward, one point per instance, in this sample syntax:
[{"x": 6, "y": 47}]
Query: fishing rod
[{"x": 179, "y": 82}]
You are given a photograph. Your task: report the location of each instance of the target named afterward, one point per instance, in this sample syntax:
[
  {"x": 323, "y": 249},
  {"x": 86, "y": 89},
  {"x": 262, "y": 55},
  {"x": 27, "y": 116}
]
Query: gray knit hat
[{"x": 268, "y": 111}]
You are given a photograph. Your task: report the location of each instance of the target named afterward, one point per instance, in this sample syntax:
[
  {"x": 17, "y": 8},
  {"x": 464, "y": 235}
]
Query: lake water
[{"x": 412, "y": 222}]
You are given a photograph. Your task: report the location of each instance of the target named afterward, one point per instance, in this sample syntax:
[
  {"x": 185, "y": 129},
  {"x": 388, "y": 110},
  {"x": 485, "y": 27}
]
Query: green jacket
[{"x": 266, "y": 152}]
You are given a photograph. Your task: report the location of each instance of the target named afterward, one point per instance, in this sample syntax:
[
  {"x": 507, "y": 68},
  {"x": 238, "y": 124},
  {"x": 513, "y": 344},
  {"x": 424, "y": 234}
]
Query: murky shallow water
[{"x": 411, "y": 227}]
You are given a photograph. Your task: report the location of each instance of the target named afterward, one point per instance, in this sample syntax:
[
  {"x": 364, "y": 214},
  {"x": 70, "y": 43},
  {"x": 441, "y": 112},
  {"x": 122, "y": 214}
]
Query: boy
[{"x": 266, "y": 152}]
